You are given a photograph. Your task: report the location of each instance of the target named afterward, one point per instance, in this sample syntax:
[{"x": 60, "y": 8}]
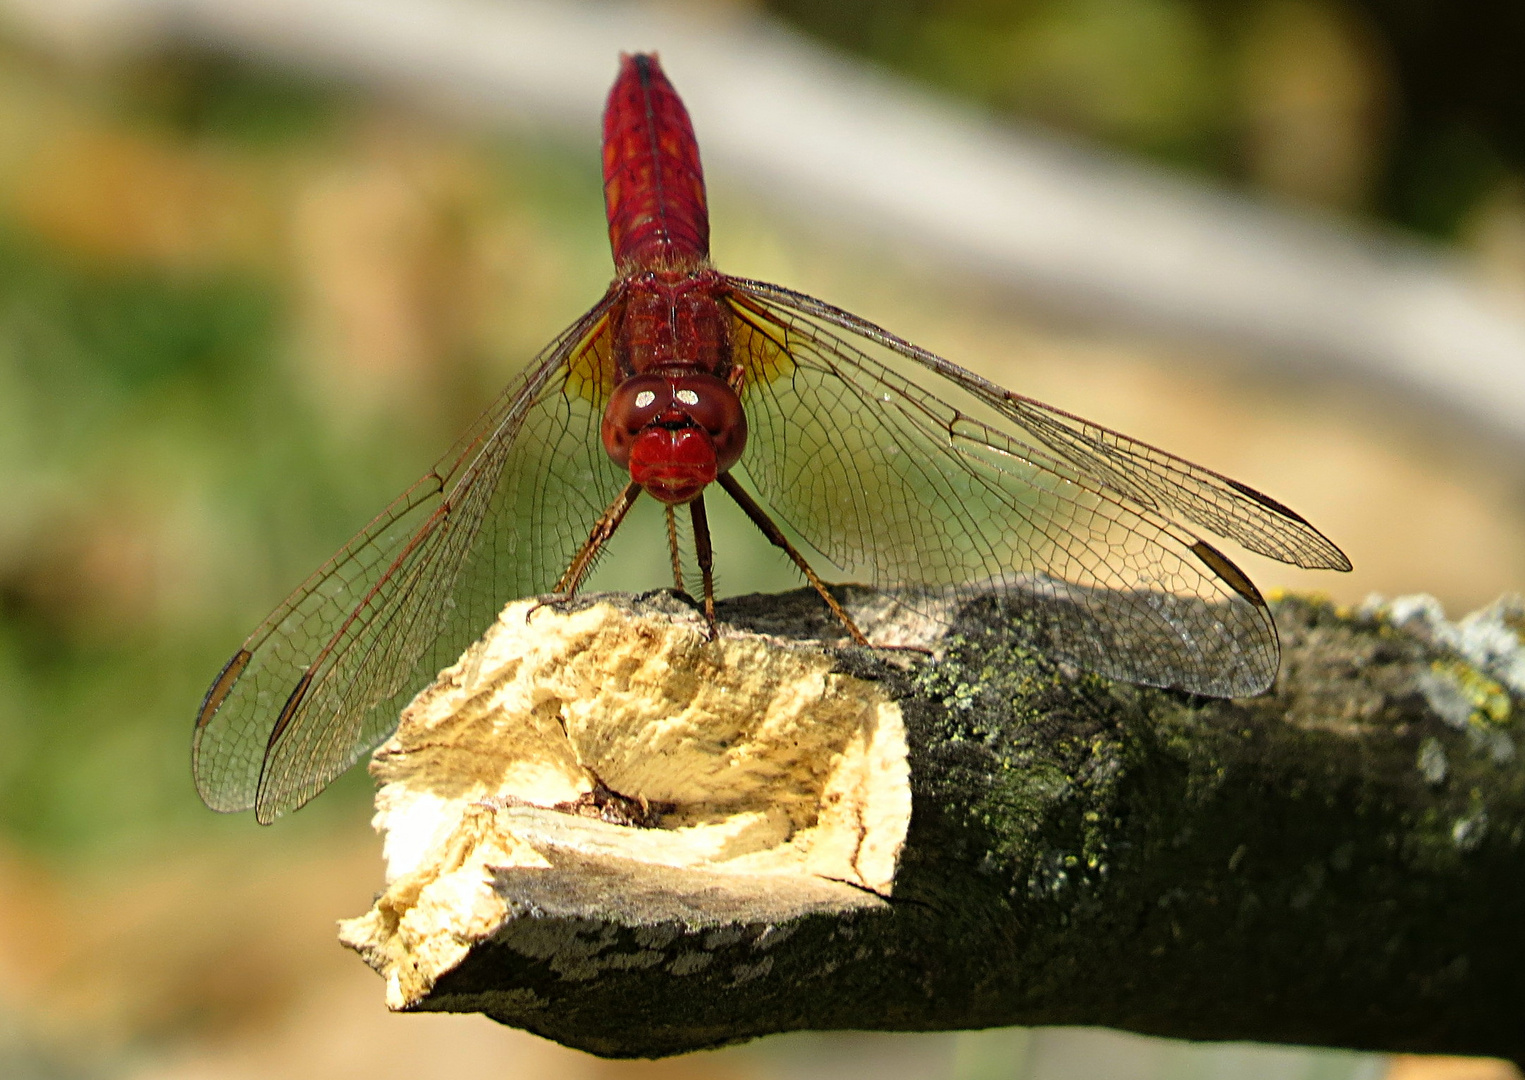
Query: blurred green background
[{"x": 239, "y": 310}]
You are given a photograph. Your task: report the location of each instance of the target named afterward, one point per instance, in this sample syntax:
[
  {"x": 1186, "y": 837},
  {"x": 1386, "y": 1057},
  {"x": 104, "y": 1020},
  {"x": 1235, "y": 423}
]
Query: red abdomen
[{"x": 653, "y": 185}]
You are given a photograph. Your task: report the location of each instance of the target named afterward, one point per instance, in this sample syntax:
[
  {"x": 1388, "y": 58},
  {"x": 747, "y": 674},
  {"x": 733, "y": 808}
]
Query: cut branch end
[{"x": 608, "y": 763}]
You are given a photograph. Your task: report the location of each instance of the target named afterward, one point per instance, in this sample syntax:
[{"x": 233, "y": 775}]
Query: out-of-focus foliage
[{"x": 1413, "y": 110}]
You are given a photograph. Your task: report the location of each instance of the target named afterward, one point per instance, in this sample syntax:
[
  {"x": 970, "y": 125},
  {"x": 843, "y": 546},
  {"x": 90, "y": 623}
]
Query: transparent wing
[
  {"x": 934, "y": 501},
  {"x": 323, "y": 678},
  {"x": 1145, "y": 474}
]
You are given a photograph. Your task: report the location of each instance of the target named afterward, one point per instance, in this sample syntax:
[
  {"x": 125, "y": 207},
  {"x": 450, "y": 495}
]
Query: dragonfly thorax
[
  {"x": 672, "y": 320},
  {"x": 675, "y": 432}
]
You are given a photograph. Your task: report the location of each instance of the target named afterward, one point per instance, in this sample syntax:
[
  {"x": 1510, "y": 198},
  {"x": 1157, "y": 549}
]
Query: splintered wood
[{"x": 720, "y": 781}]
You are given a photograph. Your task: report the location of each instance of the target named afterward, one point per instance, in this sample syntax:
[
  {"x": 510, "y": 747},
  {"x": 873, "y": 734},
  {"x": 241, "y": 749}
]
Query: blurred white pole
[{"x": 1081, "y": 229}]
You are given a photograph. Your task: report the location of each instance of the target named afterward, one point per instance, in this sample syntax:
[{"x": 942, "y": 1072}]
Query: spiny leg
[
  {"x": 778, "y": 539},
  {"x": 672, "y": 547},
  {"x": 604, "y": 528},
  {"x": 706, "y": 559}
]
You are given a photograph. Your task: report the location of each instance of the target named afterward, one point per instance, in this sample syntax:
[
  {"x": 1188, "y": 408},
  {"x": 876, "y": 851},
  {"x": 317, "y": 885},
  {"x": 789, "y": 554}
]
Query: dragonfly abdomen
[{"x": 653, "y": 183}]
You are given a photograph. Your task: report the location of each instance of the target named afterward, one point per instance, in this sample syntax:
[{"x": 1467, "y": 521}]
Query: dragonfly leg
[
  {"x": 778, "y": 539},
  {"x": 706, "y": 556},
  {"x": 672, "y": 547},
  {"x": 603, "y": 528}
]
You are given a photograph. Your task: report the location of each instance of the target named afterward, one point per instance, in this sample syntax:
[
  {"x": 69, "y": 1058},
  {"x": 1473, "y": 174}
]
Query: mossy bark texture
[{"x": 1338, "y": 862}]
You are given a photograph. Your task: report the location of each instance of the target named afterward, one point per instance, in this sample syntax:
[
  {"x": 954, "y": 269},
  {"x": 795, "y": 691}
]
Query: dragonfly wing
[
  {"x": 324, "y": 677},
  {"x": 1145, "y": 474},
  {"x": 895, "y": 484}
]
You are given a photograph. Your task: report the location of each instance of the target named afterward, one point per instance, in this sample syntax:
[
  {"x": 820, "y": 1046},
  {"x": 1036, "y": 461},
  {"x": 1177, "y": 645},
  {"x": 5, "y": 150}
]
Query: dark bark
[{"x": 1335, "y": 863}]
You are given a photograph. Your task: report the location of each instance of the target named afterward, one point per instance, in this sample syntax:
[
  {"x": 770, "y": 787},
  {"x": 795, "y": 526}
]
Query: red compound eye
[
  {"x": 714, "y": 406},
  {"x": 636, "y": 404}
]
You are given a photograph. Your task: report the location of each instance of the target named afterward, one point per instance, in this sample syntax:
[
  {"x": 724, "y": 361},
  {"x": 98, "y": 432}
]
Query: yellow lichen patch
[
  {"x": 608, "y": 734},
  {"x": 1489, "y": 700}
]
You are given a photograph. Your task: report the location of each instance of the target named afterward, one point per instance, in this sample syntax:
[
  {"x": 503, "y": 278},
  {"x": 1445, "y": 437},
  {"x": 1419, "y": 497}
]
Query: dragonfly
[{"x": 896, "y": 466}]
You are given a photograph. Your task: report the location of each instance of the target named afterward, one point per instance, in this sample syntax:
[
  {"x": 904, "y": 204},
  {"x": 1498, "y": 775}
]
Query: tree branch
[{"x": 605, "y": 829}]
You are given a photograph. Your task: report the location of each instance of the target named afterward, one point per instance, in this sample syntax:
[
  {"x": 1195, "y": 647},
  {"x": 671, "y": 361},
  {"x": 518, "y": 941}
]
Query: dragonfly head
[{"x": 674, "y": 432}]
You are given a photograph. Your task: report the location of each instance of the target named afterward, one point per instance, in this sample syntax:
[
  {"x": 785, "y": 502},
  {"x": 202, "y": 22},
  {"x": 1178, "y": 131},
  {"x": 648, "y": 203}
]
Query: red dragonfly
[{"x": 682, "y": 377}]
